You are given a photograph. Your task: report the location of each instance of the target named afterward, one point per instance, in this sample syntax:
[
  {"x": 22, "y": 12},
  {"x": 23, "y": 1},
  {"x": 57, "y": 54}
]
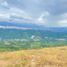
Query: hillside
[{"x": 46, "y": 57}]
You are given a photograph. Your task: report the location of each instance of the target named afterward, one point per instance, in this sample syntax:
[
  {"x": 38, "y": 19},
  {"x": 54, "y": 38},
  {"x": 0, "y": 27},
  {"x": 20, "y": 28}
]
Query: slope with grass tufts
[{"x": 46, "y": 57}]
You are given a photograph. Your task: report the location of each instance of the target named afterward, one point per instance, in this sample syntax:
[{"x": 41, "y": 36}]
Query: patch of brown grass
[{"x": 47, "y": 57}]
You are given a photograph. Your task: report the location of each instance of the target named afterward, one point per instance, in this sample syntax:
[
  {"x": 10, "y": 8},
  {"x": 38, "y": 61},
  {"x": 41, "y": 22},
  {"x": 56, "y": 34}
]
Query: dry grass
[{"x": 47, "y": 57}]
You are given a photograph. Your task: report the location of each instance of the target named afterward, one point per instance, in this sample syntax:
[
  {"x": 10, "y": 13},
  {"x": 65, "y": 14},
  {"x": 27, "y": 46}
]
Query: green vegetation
[
  {"x": 11, "y": 45},
  {"x": 13, "y": 39}
]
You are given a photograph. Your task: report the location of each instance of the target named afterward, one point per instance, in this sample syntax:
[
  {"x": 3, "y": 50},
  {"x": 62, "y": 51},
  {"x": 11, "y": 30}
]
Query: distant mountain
[
  {"x": 26, "y": 25},
  {"x": 32, "y": 26}
]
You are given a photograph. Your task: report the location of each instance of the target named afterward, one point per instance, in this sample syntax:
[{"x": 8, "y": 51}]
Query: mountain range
[{"x": 31, "y": 26}]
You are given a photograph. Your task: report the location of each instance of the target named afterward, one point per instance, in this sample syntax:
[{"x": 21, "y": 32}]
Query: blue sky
[{"x": 40, "y": 12}]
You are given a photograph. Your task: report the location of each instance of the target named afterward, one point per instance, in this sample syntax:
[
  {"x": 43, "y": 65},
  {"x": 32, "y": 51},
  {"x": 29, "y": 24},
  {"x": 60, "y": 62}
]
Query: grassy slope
[{"x": 47, "y": 57}]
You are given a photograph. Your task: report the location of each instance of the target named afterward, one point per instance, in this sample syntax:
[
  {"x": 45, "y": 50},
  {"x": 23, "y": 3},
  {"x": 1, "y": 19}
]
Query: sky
[{"x": 50, "y": 13}]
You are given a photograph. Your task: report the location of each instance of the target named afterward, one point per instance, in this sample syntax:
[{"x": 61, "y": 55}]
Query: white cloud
[
  {"x": 14, "y": 14},
  {"x": 64, "y": 15},
  {"x": 42, "y": 19},
  {"x": 63, "y": 21},
  {"x": 4, "y": 17},
  {"x": 19, "y": 13},
  {"x": 14, "y": 27},
  {"x": 4, "y": 3}
]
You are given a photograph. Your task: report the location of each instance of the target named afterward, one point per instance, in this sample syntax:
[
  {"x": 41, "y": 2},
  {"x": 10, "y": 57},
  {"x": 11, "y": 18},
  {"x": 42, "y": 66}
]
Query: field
[{"x": 45, "y": 57}]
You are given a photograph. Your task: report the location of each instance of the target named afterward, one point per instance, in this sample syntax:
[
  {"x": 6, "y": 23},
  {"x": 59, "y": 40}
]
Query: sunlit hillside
[{"x": 46, "y": 57}]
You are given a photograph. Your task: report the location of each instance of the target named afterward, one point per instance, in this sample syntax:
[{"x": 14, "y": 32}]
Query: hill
[{"x": 46, "y": 57}]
